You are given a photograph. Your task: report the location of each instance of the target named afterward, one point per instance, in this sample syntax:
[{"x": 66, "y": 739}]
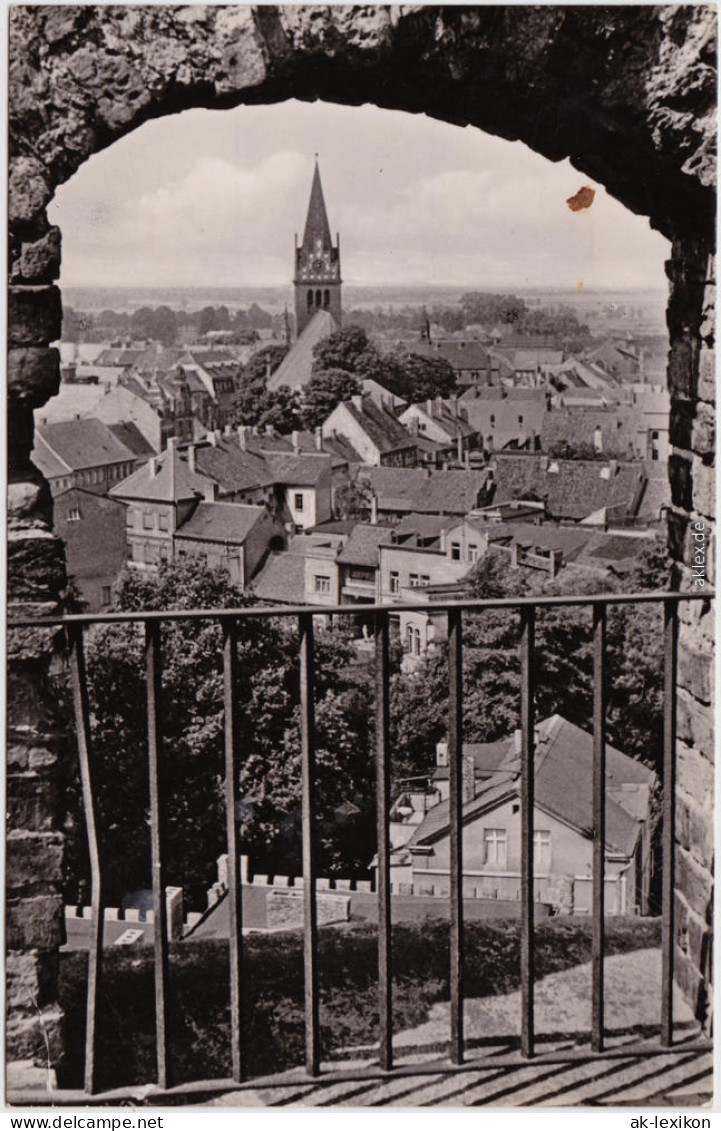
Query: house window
[
  {"x": 414, "y": 640},
  {"x": 298, "y": 501},
  {"x": 322, "y": 584},
  {"x": 520, "y": 420},
  {"x": 74, "y": 514},
  {"x": 425, "y": 579},
  {"x": 493, "y": 421},
  {"x": 455, "y": 551},
  {"x": 473, "y": 552},
  {"x": 495, "y": 843},
  {"x": 395, "y": 582},
  {"x": 163, "y": 522},
  {"x": 129, "y": 516},
  {"x": 131, "y": 555},
  {"x": 105, "y": 595},
  {"x": 414, "y": 580},
  {"x": 542, "y": 849},
  {"x": 147, "y": 520}
]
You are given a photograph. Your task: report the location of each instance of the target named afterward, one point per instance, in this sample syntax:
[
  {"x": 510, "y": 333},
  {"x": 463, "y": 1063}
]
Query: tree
[
  {"x": 423, "y": 378},
  {"x": 324, "y": 391},
  {"x": 192, "y": 722},
  {"x": 264, "y": 363},
  {"x": 347, "y": 349}
]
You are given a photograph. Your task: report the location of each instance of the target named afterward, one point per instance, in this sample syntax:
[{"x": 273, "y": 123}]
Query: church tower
[{"x": 317, "y": 278}]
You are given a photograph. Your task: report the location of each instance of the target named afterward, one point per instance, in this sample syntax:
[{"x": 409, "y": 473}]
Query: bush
[{"x": 199, "y": 1012}]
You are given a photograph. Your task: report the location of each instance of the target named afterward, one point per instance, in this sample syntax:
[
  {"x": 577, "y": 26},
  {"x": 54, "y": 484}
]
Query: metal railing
[{"x": 230, "y": 619}]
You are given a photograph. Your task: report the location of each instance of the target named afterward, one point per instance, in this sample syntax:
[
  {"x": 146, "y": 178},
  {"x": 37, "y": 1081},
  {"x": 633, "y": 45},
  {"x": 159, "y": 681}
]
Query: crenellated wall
[{"x": 628, "y": 93}]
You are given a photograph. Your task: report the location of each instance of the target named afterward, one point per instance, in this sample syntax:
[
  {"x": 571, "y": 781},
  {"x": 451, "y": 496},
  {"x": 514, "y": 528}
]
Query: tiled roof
[
  {"x": 372, "y": 389},
  {"x": 576, "y": 489},
  {"x": 173, "y": 481},
  {"x": 563, "y": 786},
  {"x": 70, "y": 402},
  {"x": 381, "y": 427},
  {"x": 130, "y": 435},
  {"x": 220, "y": 522},
  {"x": 440, "y": 492},
  {"x": 303, "y": 471},
  {"x": 487, "y": 758},
  {"x": 296, "y": 367},
  {"x": 120, "y": 357},
  {"x": 83, "y": 443},
  {"x": 362, "y": 545},
  {"x": 281, "y": 580},
  {"x": 230, "y": 467},
  {"x": 461, "y": 354},
  {"x": 570, "y": 540}
]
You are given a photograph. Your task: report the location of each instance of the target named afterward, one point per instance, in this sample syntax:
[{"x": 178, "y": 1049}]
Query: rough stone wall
[
  {"x": 692, "y": 528},
  {"x": 628, "y": 93}
]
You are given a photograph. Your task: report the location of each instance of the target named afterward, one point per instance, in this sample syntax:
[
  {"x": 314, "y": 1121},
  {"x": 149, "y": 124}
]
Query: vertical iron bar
[
  {"x": 455, "y": 763},
  {"x": 670, "y": 665},
  {"x": 599, "y": 822},
  {"x": 383, "y": 801},
  {"x": 85, "y": 756},
  {"x": 235, "y": 894},
  {"x": 528, "y": 622},
  {"x": 310, "y": 925},
  {"x": 156, "y": 775}
]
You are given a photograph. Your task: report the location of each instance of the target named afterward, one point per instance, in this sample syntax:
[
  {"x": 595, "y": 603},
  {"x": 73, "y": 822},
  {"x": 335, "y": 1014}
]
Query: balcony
[{"x": 441, "y": 1063}]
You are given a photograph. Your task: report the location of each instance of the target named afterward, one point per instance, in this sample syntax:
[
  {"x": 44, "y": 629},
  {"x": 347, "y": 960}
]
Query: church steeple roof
[{"x": 316, "y": 223}]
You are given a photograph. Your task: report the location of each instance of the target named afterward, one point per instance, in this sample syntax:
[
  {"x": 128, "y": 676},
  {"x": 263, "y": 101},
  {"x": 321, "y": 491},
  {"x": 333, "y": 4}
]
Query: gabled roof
[
  {"x": 570, "y": 488},
  {"x": 380, "y": 395},
  {"x": 563, "y": 787},
  {"x": 296, "y": 368},
  {"x": 362, "y": 545},
  {"x": 304, "y": 471},
  {"x": 220, "y": 522},
  {"x": 380, "y": 426},
  {"x": 281, "y": 580},
  {"x": 232, "y": 468},
  {"x": 78, "y": 444},
  {"x": 569, "y": 539},
  {"x": 417, "y": 490},
  {"x": 459, "y": 353},
  {"x": 120, "y": 357},
  {"x": 165, "y": 479},
  {"x": 130, "y": 435}
]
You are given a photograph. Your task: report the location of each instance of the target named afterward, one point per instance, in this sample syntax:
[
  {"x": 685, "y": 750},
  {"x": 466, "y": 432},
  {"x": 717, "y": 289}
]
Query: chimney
[
  {"x": 413, "y": 426},
  {"x": 228, "y": 430},
  {"x": 243, "y": 437},
  {"x": 439, "y": 407},
  {"x": 295, "y": 440},
  {"x": 191, "y": 457},
  {"x": 212, "y": 439},
  {"x": 211, "y": 492},
  {"x": 319, "y": 439},
  {"x": 374, "y": 509},
  {"x": 172, "y": 443},
  {"x": 442, "y": 541},
  {"x": 152, "y": 467},
  {"x": 459, "y": 447},
  {"x": 515, "y": 549},
  {"x": 357, "y": 401},
  {"x": 429, "y": 407},
  {"x": 467, "y": 459},
  {"x": 441, "y": 753},
  {"x": 468, "y": 778},
  {"x": 454, "y": 407}
]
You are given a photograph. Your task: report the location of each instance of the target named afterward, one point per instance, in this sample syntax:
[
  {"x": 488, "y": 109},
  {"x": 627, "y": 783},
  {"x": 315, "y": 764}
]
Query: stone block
[
  {"x": 322, "y": 884},
  {"x": 679, "y": 471},
  {"x": 29, "y": 190},
  {"x": 683, "y": 367},
  {"x": 695, "y": 775},
  {"x": 34, "y": 922},
  {"x": 695, "y": 669},
  {"x": 29, "y": 979},
  {"x": 40, "y": 260},
  {"x": 703, "y": 488},
  {"x": 36, "y": 1036},
  {"x": 364, "y": 885},
  {"x": 695, "y": 723},
  {"x": 342, "y": 885},
  {"x": 262, "y": 880},
  {"x": 694, "y": 829},
  {"x": 707, "y": 375},
  {"x": 33, "y": 374},
  {"x": 690, "y": 982},
  {"x": 694, "y": 882},
  {"x": 24, "y": 1075},
  {"x": 32, "y": 802},
  {"x": 34, "y": 315},
  {"x": 35, "y": 565},
  {"x": 281, "y": 881},
  {"x": 33, "y": 858}
]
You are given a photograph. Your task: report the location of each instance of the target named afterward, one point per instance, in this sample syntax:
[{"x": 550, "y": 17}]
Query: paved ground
[{"x": 682, "y": 1077}]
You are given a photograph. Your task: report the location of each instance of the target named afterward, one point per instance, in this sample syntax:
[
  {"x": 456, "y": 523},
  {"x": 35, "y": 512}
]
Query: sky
[{"x": 214, "y": 198}]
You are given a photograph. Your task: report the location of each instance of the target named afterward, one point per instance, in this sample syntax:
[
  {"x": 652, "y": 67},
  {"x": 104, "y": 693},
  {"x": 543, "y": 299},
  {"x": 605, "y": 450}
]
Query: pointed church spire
[{"x": 316, "y": 236}]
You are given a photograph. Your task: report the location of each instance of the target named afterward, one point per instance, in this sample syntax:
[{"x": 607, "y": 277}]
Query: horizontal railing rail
[{"x": 229, "y": 620}]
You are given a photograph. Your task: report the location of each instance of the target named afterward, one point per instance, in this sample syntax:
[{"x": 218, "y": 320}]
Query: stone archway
[{"x": 627, "y": 93}]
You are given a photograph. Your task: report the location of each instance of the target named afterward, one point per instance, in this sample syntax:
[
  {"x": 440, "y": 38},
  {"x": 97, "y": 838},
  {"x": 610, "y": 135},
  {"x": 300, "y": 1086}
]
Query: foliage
[
  {"x": 575, "y": 449},
  {"x": 406, "y": 375},
  {"x": 256, "y": 405},
  {"x": 353, "y": 500},
  {"x": 324, "y": 391},
  {"x": 273, "y": 991},
  {"x": 192, "y": 727}
]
